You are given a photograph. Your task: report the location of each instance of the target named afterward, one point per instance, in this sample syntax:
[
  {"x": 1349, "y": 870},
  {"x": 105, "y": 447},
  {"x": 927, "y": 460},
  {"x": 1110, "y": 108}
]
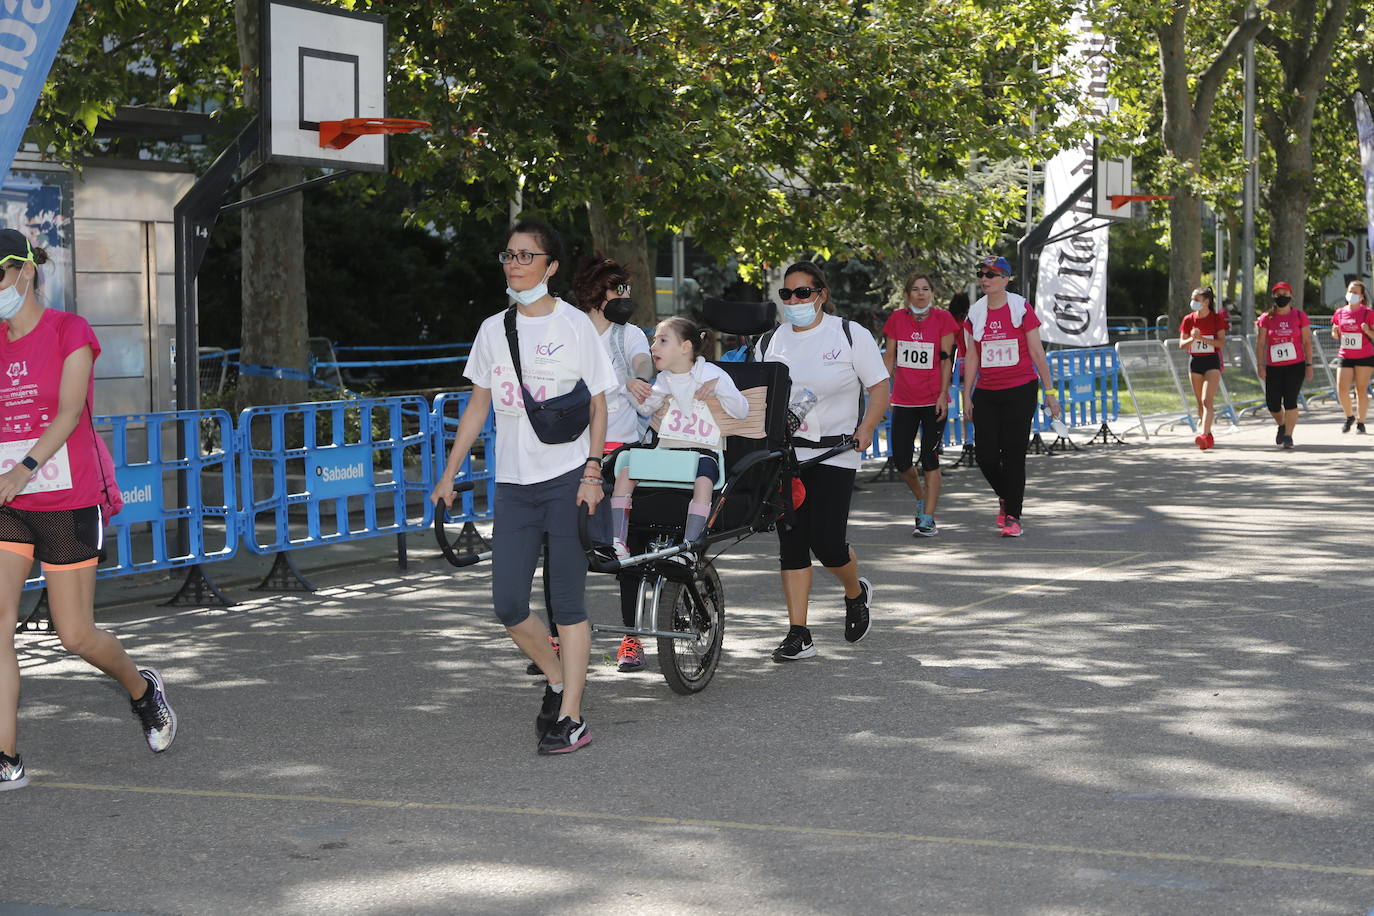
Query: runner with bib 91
[{"x": 1283, "y": 353}]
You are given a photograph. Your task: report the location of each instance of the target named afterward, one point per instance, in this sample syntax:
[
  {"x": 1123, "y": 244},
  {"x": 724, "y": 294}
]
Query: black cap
[{"x": 14, "y": 245}]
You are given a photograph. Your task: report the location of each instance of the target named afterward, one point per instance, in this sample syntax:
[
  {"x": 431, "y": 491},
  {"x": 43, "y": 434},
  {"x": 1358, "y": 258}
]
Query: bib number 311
[{"x": 999, "y": 354}]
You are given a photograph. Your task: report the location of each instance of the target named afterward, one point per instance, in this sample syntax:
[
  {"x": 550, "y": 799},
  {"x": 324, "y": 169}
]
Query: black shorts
[
  {"x": 1350, "y": 362},
  {"x": 59, "y": 537},
  {"x": 1203, "y": 363}
]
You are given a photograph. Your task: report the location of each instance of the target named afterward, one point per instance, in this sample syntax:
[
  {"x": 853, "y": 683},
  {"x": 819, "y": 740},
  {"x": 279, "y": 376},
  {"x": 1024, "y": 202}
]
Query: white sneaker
[{"x": 621, "y": 551}]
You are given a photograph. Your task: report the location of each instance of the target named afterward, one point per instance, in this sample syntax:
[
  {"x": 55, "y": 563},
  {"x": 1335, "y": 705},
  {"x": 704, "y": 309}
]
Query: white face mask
[
  {"x": 799, "y": 316},
  {"x": 533, "y": 294},
  {"x": 1195, "y": 305},
  {"x": 12, "y": 300},
  {"x": 1352, "y": 298}
]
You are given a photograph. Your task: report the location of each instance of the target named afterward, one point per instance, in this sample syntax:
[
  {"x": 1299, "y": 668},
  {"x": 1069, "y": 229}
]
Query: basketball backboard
[
  {"x": 321, "y": 63},
  {"x": 1112, "y": 178}
]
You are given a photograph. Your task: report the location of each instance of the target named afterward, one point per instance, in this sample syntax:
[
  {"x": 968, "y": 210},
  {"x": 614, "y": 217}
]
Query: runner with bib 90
[{"x": 1353, "y": 325}]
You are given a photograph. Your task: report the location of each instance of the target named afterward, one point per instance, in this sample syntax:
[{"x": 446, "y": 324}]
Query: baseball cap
[
  {"x": 1281, "y": 286},
  {"x": 14, "y": 245},
  {"x": 999, "y": 264}
]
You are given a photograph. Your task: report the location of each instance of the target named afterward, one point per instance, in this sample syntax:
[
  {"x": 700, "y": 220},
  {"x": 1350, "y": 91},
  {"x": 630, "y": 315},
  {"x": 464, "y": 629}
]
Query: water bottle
[{"x": 801, "y": 406}]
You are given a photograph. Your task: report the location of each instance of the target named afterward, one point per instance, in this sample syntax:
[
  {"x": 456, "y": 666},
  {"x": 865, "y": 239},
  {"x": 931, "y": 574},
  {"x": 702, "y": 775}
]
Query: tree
[{"x": 1302, "y": 47}]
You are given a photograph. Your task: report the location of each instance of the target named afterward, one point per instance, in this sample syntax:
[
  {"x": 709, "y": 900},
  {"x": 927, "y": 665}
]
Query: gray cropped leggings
[{"x": 522, "y": 516}]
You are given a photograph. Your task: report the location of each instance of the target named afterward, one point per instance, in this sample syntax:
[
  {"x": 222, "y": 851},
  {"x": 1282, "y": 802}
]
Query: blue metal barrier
[
  {"x": 144, "y": 448},
  {"x": 314, "y": 465},
  {"x": 448, "y": 408},
  {"x": 1088, "y": 380}
]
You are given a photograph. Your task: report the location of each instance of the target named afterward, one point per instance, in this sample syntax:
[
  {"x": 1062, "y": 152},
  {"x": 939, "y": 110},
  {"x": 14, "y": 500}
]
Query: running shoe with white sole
[
  {"x": 631, "y": 654},
  {"x": 795, "y": 645},
  {"x": 622, "y": 551},
  {"x": 565, "y": 737},
  {"x": 1001, "y": 512},
  {"x": 856, "y": 616},
  {"x": 155, "y": 714},
  {"x": 1287, "y": 442},
  {"x": 1278, "y": 435},
  {"x": 1012, "y": 529},
  {"x": 925, "y": 526},
  {"x": 1359, "y": 428},
  {"x": 12, "y": 774}
]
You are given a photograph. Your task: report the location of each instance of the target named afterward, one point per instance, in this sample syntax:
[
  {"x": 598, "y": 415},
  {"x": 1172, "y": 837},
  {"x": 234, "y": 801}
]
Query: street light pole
[{"x": 1251, "y": 152}]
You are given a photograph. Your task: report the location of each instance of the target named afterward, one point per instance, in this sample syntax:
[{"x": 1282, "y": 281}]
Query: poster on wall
[{"x": 39, "y": 204}]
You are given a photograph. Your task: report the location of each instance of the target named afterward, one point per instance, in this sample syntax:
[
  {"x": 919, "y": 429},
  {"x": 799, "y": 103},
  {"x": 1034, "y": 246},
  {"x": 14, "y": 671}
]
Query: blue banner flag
[
  {"x": 30, "y": 33},
  {"x": 1365, "y": 125}
]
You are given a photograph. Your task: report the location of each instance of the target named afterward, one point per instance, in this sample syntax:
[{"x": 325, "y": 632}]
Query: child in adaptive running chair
[{"x": 689, "y": 396}]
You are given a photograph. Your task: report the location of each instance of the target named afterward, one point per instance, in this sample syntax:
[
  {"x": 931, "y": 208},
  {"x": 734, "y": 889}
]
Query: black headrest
[{"x": 746, "y": 318}]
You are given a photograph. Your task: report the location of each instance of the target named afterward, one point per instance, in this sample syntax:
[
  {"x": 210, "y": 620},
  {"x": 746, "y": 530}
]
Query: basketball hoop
[
  {"x": 1121, "y": 200},
  {"x": 338, "y": 134}
]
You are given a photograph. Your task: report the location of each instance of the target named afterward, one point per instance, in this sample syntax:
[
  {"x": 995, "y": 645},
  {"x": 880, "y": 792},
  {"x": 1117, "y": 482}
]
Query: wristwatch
[{"x": 29, "y": 463}]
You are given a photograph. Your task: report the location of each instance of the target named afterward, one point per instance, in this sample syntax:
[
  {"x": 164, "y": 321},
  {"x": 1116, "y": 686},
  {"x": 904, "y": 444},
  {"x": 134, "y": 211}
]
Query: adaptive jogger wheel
[{"x": 689, "y": 664}]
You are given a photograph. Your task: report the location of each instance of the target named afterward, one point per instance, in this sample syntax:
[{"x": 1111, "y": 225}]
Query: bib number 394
[
  {"x": 696, "y": 425},
  {"x": 915, "y": 354},
  {"x": 999, "y": 354},
  {"x": 1283, "y": 352},
  {"x": 54, "y": 474}
]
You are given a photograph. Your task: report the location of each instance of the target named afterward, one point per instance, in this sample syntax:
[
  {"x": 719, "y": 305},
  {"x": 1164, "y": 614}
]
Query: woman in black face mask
[
  {"x": 1283, "y": 353},
  {"x": 602, "y": 288}
]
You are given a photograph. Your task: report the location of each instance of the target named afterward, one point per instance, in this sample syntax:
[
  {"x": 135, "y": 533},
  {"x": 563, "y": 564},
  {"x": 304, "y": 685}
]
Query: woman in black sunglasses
[
  {"x": 1004, "y": 370},
  {"x": 838, "y": 362}
]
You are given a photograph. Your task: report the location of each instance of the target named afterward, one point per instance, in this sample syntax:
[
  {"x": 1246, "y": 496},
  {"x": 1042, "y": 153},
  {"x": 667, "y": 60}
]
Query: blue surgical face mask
[
  {"x": 920, "y": 312},
  {"x": 799, "y": 316},
  {"x": 12, "y": 300},
  {"x": 1195, "y": 305},
  {"x": 532, "y": 295}
]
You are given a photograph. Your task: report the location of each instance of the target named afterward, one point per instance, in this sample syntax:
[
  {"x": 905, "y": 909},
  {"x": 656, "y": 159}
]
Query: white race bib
[
  {"x": 506, "y": 395},
  {"x": 54, "y": 474},
  {"x": 695, "y": 424},
  {"x": 1200, "y": 347},
  {"x": 999, "y": 354},
  {"x": 1283, "y": 352},
  {"x": 914, "y": 354},
  {"x": 1352, "y": 341}
]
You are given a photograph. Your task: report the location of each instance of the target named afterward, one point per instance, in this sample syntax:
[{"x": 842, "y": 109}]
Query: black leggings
[
  {"x": 820, "y": 524},
  {"x": 905, "y": 423},
  {"x": 1001, "y": 431},
  {"x": 1282, "y": 385}
]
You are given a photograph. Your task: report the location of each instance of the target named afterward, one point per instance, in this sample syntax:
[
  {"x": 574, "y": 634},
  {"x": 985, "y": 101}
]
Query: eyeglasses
[
  {"x": 519, "y": 257},
  {"x": 989, "y": 275},
  {"x": 622, "y": 290},
  {"x": 801, "y": 292}
]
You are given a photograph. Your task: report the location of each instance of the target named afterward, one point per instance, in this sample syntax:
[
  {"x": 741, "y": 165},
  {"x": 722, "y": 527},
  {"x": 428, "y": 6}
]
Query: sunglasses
[
  {"x": 519, "y": 257},
  {"x": 622, "y": 290},
  {"x": 989, "y": 275},
  {"x": 801, "y": 292}
]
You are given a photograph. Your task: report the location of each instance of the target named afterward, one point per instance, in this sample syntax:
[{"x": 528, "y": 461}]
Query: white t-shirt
[
  {"x": 555, "y": 351},
  {"x": 823, "y": 360},
  {"x": 622, "y": 423},
  {"x": 688, "y": 417}
]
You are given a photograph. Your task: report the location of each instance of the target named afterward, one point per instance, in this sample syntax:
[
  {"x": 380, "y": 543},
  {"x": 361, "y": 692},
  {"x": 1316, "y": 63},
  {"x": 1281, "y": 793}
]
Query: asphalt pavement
[{"x": 1156, "y": 701}]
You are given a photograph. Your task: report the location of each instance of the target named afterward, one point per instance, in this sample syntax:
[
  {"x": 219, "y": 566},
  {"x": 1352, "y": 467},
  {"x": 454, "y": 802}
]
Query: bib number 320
[{"x": 696, "y": 425}]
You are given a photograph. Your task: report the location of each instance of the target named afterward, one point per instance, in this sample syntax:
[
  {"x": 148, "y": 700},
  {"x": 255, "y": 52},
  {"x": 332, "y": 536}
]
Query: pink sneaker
[
  {"x": 622, "y": 552},
  {"x": 1012, "y": 528},
  {"x": 1001, "y": 513}
]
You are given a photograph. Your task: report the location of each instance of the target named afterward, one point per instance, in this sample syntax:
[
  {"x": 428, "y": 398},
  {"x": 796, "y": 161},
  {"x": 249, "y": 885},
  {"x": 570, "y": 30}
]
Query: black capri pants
[
  {"x": 1001, "y": 431},
  {"x": 906, "y": 423},
  {"x": 1282, "y": 385},
  {"x": 820, "y": 525}
]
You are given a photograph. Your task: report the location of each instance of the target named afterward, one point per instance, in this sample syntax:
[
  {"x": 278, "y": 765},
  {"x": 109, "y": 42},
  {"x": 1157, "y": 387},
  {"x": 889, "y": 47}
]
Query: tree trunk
[
  {"x": 627, "y": 243},
  {"x": 275, "y": 317},
  {"x": 1185, "y": 252},
  {"x": 1290, "y": 195}
]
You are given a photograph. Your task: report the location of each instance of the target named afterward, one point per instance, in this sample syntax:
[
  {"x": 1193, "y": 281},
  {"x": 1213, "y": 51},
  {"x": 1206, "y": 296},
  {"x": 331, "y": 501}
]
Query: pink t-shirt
[
  {"x": 916, "y": 372},
  {"x": 1349, "y": 320},
  {"x": 29, "y": 390},
  {"x": 1283, "y": 337},
  {"x": 1004, "y": 360}
]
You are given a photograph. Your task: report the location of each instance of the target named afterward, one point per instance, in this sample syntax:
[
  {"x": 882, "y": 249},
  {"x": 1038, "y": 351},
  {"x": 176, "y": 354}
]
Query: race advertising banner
[
  {"x": 1071, "y": 294},
  {"x": 30, "y": 34},
  {"x": 1366, "y": 131}
]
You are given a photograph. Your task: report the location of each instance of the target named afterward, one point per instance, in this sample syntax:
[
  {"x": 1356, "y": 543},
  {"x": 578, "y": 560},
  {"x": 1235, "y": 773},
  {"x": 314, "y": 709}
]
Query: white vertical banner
[
  {"x": 1071, "y": 293},
  {"x": 1365, "y": 125}
]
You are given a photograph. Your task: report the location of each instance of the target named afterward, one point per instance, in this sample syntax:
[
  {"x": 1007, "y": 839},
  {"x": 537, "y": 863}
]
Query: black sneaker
[
  {"x": 1349, "y": 422},
  {"x": 796, "y": 644},
  {"x": 12, "y": 775},
  {"x": 1278, "y": 436},
  {"x": 856, "y": 620},
  {"x": 154, "y": 714},
  {"x": 1287, "y": 441},
  {"x": 565, "y": 737},
  {"x": 1359, "y": 428},
  {"x": 548, "y": 712}
]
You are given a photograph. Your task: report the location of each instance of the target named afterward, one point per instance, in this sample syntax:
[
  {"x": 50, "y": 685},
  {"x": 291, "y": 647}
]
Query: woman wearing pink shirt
[
  {"x": 1004, "y": 371},
  {"x": 1353, "y": 326},
  {"x": 920, "y": 356},
  {"x": 51, "y": 494},
  {"x": 1283, "y": 353}
]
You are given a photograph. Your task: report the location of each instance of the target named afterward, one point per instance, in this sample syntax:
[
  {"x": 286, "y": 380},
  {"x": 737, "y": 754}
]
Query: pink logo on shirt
[{"x": 831, "y": 356}]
